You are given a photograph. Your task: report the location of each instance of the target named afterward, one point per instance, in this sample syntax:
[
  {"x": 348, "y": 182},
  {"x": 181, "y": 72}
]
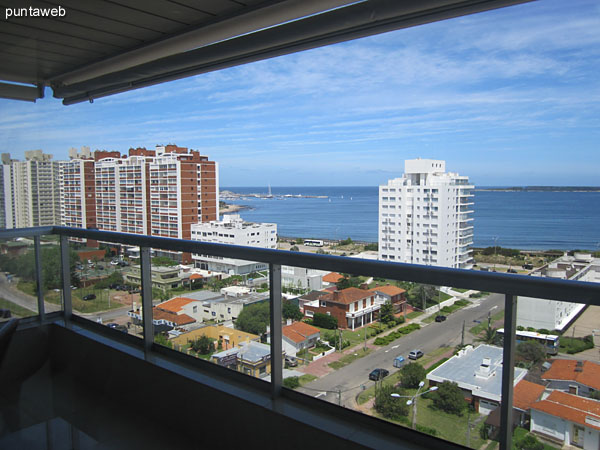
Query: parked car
[
  {"x": 440, "y": 318},
  {"x": 123, "y": 263},
  {"x": 378, "y": 374},
  {"x": 399, "y": 361},
  {"x": 511, "y": 271},
  {"x": 116, "y": 326},
  {"x": 89, "y": 297},
  {"x": 114, "y": 262},
  {"x": 415, "y": 354},
  {"x": 291, "y": 361},
  {"x": 527, "y": 266},
  {"x": 99, "y": 267},
  {"x": 114, "y": 286}
]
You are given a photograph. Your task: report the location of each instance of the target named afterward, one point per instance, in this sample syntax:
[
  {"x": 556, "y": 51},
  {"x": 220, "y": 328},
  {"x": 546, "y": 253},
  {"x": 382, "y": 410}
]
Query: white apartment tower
[
  {"x": 233, "y": 230},
  {"x": 426, "y": 216},
  {"x": 30, "y": 191}
]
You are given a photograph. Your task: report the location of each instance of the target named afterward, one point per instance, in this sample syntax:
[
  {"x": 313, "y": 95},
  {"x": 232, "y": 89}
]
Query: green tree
[
  {"x": 412, "y": 374},
  {"x": 388, "y": 406},
  {"x": 529, "y": 442},
  {"x": 291, "y": 382},
  {"x": 290, "y": 310},
  {"x": 489, "y": 335},
  {"x": 348, "y": 281},
  {"x": 347, "y": 241},
  {"x": 386, "y": 313},
  {"x": 161, "y": 339},
  {"x": 449, "y": 398},
  {"x": 531, "y": 351},
  {"x": 325, "y": 321},
  {"x": 294, "y": 248},
  {"x": 254, "y": 318},
  {"x": 203, "y": 345},
  {"x": 422, "y": 295},
  {"x": 163, "y": 261}
]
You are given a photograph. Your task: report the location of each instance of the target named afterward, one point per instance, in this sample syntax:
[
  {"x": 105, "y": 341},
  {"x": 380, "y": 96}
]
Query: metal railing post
[
  {"x": 508, "y": 365},
  {"x": 146, "y": 275},
  {"x": 39, "y": 278},
  {"x": 276, "y": 333},
  {"x": 65, "y": 264}
]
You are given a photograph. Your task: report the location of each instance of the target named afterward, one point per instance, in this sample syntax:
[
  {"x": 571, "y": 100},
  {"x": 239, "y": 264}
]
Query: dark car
[
  {"x": 116, "y": 326},
  {"x": 511, "y": 271},
  {"x": 527, "y": 266},
  {"x": 378, "y": 374},
  {"x": 114, "y": 286},
  {"x": 291, "y": 361},
  {"x": 89, "y": 297},
  {"x": 440, "y": 318}
]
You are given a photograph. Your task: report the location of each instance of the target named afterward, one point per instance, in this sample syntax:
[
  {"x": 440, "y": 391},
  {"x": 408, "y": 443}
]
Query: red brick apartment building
[
  {"x": 352, "y": 307},
  {"x": 158, "y": 192}
]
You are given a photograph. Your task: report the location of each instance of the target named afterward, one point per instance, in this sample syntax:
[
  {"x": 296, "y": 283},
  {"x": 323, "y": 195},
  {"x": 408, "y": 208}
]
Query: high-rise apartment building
[
  {"x": 426, "y": 216},
  {"x": 158, "y": 192},
  {"x": 30, "y": 191}
]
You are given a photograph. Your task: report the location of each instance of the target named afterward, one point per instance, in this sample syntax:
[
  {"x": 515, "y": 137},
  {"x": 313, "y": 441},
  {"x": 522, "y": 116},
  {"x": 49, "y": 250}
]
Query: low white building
[
  {"x": 567, "y": 419},
  {"x": 553, "y": 314},
  {"x": 302, "y": 278},
  {"x": 478, "y": 372},
  {"x": 235, "y": 231}
]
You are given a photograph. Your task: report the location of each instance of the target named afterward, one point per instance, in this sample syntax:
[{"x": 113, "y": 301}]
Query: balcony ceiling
[{"x": 103, "y": 47}]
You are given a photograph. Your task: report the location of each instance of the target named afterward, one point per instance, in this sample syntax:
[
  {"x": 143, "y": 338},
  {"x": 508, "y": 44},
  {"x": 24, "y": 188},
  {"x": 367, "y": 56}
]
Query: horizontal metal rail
[{"x": 529, "y": 286}]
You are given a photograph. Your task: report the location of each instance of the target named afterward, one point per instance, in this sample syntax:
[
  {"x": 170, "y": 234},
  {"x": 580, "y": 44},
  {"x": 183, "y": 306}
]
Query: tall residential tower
[{"x": 426, "y": 216}]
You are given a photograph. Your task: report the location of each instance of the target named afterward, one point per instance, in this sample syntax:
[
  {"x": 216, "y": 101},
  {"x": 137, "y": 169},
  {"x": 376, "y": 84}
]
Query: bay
[{"x": 529, "y": 220}]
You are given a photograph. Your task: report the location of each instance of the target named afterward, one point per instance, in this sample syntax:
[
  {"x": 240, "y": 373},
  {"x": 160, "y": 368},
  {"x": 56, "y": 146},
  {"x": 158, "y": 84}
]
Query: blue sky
[{"x": 508, "y": 97}]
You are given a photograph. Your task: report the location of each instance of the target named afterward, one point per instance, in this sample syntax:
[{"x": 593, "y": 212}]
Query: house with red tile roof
[
  {"x": 182, "y": 305},
  {"x": 567, "y": 420},
  {"x": 352, "y": 307},
  {"x": 393, "y": 294},
  {"x": 575, "y": 377},
  {"x": 299, "y": 335},
  {"x": 162, "y": 320},
  {"x": 331, "y": 278}
]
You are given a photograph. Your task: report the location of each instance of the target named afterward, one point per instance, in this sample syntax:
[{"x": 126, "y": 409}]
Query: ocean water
[{"x": 524, "y": 220}]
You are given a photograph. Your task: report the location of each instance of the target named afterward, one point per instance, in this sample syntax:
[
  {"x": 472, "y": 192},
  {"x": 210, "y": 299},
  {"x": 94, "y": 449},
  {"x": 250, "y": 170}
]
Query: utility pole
[
  {"x": 366, "y": 332},
  {"x": 339, "y": 397},
  {"x": 462, "y": 340},
  {"x": 489, "y": 318},
  {"x": 573, "y": 334}
]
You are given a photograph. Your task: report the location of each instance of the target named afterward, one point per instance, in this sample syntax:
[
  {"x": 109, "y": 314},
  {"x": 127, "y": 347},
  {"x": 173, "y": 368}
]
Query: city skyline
[{"x": 516, "y": 106}]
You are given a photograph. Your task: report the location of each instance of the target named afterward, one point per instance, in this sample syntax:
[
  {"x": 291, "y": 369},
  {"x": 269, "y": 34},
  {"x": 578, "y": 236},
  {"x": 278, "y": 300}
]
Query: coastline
[{"x": 230, "y": 208}]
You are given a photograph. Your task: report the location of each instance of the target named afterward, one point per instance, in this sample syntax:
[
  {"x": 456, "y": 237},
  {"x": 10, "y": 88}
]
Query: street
[
  {"x": 9, "y": 292},
  {"x": 349, "y": 379}
]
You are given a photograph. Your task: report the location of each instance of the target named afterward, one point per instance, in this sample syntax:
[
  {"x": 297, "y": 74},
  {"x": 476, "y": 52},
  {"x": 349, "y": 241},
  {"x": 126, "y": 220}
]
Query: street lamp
[
  {"x": 495, "y": 249},
  {"x": 412, "y": 400}
]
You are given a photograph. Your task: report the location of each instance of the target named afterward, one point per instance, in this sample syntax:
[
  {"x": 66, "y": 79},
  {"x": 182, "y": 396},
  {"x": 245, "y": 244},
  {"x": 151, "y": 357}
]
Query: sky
[{"x": 509, "y": 97}]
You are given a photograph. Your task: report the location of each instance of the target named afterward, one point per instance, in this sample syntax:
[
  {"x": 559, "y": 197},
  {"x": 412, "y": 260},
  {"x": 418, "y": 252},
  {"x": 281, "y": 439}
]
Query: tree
[
  {"x": 254, "y": 318},
  {"x": 161, "y": 339},
  {"x": 388, "y": 406},
  {"x": 412, "y": 374},
  {"x": 203, "y": 345},
  {"x": 449, "y": 398},
  {"x": 386, "y": 313},
  {"x": 291, "y": 311},
  {"x": 422, "y": 294},
  {"x": 490, "y": 336},
  {"x": 529, "y": 442},
  {"x": 348, "y": 281},
  {"x": 531, "y": 351},
  {"x": 325, "y": 321},
  {"x": 294, "y": 248}
]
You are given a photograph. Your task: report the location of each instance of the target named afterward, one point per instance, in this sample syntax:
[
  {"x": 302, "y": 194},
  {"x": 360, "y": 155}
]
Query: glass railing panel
[
  {"x": 103, "y": 284},
  {"x": 18, "y": 286},
  {"x": 213, "y": 308}
]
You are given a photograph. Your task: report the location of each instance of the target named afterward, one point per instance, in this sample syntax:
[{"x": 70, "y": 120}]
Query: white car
[{"x": 114, "y": 263}]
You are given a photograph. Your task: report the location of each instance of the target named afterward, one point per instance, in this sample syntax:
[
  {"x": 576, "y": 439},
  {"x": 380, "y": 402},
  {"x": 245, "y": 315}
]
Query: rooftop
[
  {"x": 526, "y": 393},
  {"x": 175, "y": 304},
  {"x": 586, "y": 372},
  {"x": 332, "y": 277},
  {"x": 570, "y": 407},
  {"x": 348, "y": 295},
  {"x": 250, "y": 351},
  {"x": 476, "y": 369},
  {"x": 299, "y": 331},
  {"x": 388, "y": 289}
]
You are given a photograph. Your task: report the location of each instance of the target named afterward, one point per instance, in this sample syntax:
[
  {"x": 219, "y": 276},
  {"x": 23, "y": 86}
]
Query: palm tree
[{"x": 489, "y": 336}]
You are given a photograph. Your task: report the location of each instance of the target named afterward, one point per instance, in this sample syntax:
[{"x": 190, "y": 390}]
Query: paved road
[
  {"x": 432, "y": 336},
  {"x": 10, "y": 292}
]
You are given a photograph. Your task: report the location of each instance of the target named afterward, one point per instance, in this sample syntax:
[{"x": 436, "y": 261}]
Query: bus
[
  {"x": 313, "y": 242},
  {"x": 549, "y": 341}
]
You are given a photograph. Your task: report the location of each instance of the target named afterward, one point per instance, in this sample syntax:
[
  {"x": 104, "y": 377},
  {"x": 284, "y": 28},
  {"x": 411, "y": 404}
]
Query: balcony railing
[{"x": 509, "y": 285}]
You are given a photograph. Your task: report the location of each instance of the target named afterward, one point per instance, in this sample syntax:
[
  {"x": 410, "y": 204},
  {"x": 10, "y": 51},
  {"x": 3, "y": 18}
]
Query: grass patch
[
  {"x": 448, "y": 426},
  {"x": 414, "y": 314},
  {"x": 479, "y": 294},
  {"x": 349, "y": 358},
  {"x": 369, "y": 393},
  {"x": 461, "y": 290},
  {"x": 354, "y": 337},
  {"x": 477, "y": 329},
  {"x": 306, "y": 378},
  {"x": 520, "y": 433},
  {"x": 16, "y": 310},
  {"x": 402, "y": 331},
  {"x": 575, "y": 345}
]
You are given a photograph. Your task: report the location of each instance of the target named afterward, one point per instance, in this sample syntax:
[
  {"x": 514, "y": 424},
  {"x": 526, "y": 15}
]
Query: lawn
[
  {"x": 355, "y": 337},
  {"x": 461, "y": 290},
  {"x": 477, "y": 329},
  {"x": 520, "y": 433},
  {"x": 447, "y": 310},
  {"x": 414, "y": 314},
  {"x": 369, "y": 393},
  {"x": 449, "y": 426},
  {"x": 15, "y": 309},
  {"x": 306, "y": 378}
]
